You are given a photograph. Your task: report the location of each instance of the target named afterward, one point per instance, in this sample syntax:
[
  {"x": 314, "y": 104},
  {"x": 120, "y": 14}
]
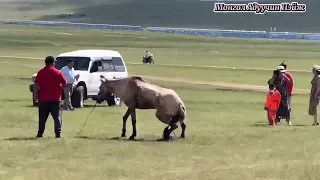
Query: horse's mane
[{"x": 138, "y": 78}]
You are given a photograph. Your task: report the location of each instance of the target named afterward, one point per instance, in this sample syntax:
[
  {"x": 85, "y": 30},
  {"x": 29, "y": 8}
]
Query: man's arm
[{"x": 76, "y": 76}]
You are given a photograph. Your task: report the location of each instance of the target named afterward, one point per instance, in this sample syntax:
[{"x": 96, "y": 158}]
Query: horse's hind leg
[
  {"x": 124, "y": 121},
  {"x": 168, "y": 130},
  {"x": 134, "y": 121},
  {"x": 183, "y": 127},
  {"x": 165, "y": 119}
]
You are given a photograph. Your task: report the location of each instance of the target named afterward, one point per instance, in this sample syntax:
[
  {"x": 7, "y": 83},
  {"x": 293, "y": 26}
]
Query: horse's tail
[{"x": 182, "y": 112}]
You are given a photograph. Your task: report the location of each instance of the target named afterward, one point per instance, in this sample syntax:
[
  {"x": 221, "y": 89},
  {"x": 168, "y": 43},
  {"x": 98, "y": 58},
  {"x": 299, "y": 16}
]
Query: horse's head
[
  {"x": 274, "y": 76},
  {"x": 104, "y": 89}
]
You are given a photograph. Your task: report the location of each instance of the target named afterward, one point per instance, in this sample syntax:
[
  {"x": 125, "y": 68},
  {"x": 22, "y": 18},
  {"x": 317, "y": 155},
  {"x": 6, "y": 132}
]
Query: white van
[{"x": 90, "y": 64}]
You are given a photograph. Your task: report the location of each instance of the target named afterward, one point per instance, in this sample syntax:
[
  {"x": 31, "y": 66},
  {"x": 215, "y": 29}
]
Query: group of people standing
[{"x": 278, "y": 101}]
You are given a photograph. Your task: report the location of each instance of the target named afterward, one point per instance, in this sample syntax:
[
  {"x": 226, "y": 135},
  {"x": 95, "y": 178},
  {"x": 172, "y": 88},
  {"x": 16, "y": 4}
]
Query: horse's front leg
[
  {"x": 183, "y": 127},
  {"x": 124, "y": 121},
  {"x": 134, "y": 120}
]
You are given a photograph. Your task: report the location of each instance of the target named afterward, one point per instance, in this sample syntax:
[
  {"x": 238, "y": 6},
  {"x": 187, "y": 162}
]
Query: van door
[{"x": 94, "y": 82}]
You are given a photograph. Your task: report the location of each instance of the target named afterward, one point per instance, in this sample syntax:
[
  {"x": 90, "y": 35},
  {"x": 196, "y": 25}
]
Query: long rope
[{"x": 87, "y": 118}]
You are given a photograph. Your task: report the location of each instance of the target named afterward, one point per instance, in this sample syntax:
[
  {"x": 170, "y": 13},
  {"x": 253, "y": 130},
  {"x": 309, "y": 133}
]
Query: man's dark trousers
[{"x": 45, "y": 108}]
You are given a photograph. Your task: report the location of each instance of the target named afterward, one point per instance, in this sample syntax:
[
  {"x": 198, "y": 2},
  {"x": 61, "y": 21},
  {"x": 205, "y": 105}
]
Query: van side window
[
  {"x": 118, "y": 64},
  {"x": 108, "y": 66}
]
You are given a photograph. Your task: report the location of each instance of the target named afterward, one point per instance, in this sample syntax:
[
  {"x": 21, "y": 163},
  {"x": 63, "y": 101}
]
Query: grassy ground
[{"x": 226, "y": 133}]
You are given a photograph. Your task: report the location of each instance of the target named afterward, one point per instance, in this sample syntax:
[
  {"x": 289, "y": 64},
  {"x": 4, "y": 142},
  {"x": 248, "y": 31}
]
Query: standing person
[
  {"x": 48, "y": 85},
  {"x": 272, "y": 104},
  {"x": 314, "y": 94},
  {"x": 282, "y": 82},
  {"x": 69, "y": 73},
  {"x": 291, "y": 84}
]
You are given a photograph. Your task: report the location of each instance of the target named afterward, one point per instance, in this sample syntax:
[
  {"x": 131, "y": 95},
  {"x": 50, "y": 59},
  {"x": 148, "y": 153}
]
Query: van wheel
[
  {"x": 34, "y": 103},
  {"x": 77, "y": 97}
]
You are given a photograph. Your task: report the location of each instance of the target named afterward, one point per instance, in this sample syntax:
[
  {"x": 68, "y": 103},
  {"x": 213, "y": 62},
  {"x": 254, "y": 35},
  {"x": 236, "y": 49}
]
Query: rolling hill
[{"x": 173, "y": 13}]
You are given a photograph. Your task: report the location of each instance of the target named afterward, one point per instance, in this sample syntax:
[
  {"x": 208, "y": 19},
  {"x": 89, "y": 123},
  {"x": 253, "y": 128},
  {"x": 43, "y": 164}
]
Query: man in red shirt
[{"x": 48, "y": 85}]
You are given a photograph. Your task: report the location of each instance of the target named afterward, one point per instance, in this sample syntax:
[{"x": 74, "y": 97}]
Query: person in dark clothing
[
  {"x": 282, "y": 82},
  {"x": 48, "y": 85}
]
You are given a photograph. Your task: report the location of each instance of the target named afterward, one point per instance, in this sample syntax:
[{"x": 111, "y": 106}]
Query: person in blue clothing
[{"x": 71, "y": 77}]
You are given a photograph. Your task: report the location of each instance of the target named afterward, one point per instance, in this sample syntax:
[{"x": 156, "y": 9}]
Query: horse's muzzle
[{"x": 98, "y": 100}]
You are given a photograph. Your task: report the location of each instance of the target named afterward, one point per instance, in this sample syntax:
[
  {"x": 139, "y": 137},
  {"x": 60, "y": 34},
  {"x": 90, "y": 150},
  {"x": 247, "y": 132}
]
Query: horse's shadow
[
  {"x": 20, "y": 139},
  {"x": 123, "y": 139}
]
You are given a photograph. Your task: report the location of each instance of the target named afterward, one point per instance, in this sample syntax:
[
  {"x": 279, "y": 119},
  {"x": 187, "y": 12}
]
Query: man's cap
[
  {"x": 316, "y": 67},
  {"x": 49, "y": 60},
  {"x": 281, "y": 69}
]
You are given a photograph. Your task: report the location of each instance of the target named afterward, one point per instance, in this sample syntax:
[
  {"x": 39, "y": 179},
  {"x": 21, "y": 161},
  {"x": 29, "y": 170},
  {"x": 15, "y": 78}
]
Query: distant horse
[{"x": 136, "y": 93}]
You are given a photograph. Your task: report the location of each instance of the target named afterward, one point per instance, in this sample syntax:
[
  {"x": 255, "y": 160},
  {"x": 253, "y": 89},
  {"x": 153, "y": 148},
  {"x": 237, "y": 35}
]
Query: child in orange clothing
[{"x": 272, "y": 104}]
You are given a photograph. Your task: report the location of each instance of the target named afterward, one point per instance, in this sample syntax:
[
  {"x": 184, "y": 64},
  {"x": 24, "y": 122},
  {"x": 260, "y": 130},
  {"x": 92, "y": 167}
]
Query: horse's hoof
[
  {"x": 169, "y": 139},
  {"x": 131, "y": 138},
  {"x": 123, "y": 135},
  {"x": 182, "y": 137},
  {"x": 166, "y": 134}
]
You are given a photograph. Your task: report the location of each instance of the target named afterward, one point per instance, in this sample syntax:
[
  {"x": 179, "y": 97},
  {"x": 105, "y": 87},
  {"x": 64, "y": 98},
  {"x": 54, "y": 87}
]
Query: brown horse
[{"x": 136, "y": 93}]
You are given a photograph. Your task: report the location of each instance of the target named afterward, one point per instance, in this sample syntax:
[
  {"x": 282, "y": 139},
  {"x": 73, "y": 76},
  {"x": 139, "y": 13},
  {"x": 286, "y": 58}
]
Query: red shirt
[
  {"x": 290, "y": 86},
  {"x": 50, "y": 81},
  {"x": 273, "y": 100}
]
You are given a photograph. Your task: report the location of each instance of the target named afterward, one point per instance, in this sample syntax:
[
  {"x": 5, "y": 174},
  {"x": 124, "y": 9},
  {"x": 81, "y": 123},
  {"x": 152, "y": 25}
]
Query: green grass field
[{"x": 226, "y": 136}]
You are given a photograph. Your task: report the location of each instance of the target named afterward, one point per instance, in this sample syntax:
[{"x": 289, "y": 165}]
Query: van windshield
[{"x": 80, "y": 63}]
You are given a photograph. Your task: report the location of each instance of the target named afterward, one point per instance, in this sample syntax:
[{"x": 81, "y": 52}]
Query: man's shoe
[
  {"x": 39, "y": 136},
  {"x": 58, "y": 136},
  {"x": 315, "y": 124}
]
